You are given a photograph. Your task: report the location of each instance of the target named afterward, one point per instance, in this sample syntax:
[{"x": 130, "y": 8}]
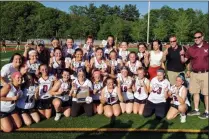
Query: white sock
[
  {"x": 182, "y": 114},
  {"x": 197, "y": 109},
  {"x": 206, "y": 111}
]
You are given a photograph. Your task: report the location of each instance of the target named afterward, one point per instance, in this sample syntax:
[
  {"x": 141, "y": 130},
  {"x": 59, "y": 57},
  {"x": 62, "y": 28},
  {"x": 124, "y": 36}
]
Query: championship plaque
[{"x": 82, "y": 93}]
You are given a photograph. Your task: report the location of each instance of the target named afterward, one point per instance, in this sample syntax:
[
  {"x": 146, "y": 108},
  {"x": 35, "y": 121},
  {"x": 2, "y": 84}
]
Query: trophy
[{"x": 82, "y": 94}]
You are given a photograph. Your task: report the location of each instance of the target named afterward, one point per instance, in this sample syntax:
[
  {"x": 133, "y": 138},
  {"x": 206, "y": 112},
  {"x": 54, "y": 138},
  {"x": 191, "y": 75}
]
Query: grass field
[{"x": 144, "y": 127}]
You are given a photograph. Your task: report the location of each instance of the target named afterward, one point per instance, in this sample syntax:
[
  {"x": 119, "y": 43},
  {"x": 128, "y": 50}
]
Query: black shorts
[
  {"x": 44, "y": 104},
  {"x": 129, "y": 101},
  {"x": 4, "y": 45},
  {"x": 96, "y": 101},
  {"x": 118, "y": 102},
  {"x": 21, "y": 111},
  {"x": 159, "y": 109},
  {"x": 140, "y": 101},
  {"x": 6, "y": 114},
  {"x": 67, "y": 103},
  {"x": 176, "y": 106}
]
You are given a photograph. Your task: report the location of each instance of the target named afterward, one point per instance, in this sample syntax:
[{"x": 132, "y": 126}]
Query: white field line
[{"x": 5, "y": 59}]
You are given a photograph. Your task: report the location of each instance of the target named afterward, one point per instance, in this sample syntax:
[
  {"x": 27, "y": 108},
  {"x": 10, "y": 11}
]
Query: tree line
[{"x": 32, "y": 19}]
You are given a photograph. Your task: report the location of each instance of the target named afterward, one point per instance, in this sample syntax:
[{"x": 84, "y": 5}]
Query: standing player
[
  {"x": 133, "y": 63},
  {"x": 33, "y": 63},
  {"x": 123, "y": 52},
  {"x": 79, "y": 62},
  {"x": 13, "y": 66},
  {"x": 114, "y": 62},
  {"x": 18, "y": 44},
  {"x": 57, "y": 63},
  {"x": 3, "y": 46}
]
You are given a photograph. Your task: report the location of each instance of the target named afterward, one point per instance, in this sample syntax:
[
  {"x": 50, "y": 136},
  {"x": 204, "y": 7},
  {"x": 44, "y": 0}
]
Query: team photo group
[{"x": 68, "y": 80}]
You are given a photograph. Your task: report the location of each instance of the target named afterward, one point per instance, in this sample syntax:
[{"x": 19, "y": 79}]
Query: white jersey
[
  {"x": 68, "y": 60},
  {"x": 111, "y": 97},
  {"x": 55, "y": 64},
  {"x": 107, "y": 51},
  {"x": 97, "y": 86},
  {"x": 51, "y": 50},
  {"x": 125, "y": 84},
  {"x": 115, "y": 63},
  {"x": 6, "y": 72},
  {"x": 45, "y": 86},
  {"x": 157, "y": 95},
  {"x": 27, "y": 100},
  {"x": 98, "y": 65},
  {"x": 77, "y": 64},
  {"x": 66, "y": 88},
  {"x": 70, "y": 51},
  {"x": 140, "y": 93},
  {"x": 133, "y": 68},
  {"x": 9, "y": 106},
  {"x": 32, "y": 68},
  {"x": 174, "y": 89},
  {"x": 87, "y": 83},
  {"x": 124, "y": 54}
]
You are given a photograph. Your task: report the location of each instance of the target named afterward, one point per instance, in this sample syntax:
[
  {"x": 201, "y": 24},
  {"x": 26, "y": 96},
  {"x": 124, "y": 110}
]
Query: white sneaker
[
  {"x": 183, "y": 118},
  {"x": 58, "y": 116}
]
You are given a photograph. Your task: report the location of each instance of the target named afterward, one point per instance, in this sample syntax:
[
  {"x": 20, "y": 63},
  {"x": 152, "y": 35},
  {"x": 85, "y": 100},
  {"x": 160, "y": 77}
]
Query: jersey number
[
  {"x": 29, "y": 99},
  {"x": 158, "y": 91},
  {"x": 139, "y": 90},
  {"x": 175, "y": 98},
  {"x": 45, "y": 88}
]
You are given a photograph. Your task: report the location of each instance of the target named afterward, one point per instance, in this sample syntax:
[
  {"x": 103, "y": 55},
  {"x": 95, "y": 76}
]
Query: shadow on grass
[
  {"x": 203, "y": 135},
  {"x": 108, "y": 135}
]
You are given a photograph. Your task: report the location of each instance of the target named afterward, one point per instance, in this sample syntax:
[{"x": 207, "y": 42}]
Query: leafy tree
[{"x": 182, "y": 27}]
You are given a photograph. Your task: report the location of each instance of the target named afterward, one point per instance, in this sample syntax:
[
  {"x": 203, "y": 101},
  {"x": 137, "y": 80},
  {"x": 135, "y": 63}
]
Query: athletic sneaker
[
  {"x": 193, "y": 113},
  {"x": 204, "y": 116},
  {"x": 183, "y": 118},
  {"x": 58, "y": 116}
]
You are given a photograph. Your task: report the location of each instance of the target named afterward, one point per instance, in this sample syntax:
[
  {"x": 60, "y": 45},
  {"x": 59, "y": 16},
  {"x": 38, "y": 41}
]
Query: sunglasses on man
[{"x": 197, "y": 37}]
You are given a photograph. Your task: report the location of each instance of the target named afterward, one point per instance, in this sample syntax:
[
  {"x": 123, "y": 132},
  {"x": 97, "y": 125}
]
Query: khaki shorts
[
  {"x": 172, "y": 76},
  {"x": 199, "y": 82}
]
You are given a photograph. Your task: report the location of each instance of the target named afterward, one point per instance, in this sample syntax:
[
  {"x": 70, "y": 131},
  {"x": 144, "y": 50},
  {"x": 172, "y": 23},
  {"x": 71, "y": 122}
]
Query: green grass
[
  {"x": 9, "y": 53},
  {"x": 123, "y": 121},
  {"x": 5, "y": 57}
]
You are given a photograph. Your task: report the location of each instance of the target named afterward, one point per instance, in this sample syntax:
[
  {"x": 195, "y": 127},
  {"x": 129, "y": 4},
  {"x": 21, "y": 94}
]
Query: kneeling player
[
  {"x": 61, "y": 92},
  {"x": 180, "y": 101}
]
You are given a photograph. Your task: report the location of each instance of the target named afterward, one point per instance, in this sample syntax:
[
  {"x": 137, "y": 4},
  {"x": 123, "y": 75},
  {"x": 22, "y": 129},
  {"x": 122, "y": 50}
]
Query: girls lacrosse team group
[{"x": 46, "y": 82}]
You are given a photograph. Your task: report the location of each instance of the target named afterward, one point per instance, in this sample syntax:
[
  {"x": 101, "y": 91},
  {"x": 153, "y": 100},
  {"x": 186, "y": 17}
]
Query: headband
[
  {"x": 161, "y": 70},
  {"x": 180, "y": 76},
  {"x": 124, "y": 68},
  {"x": 32, "y": 51},
  {"x": 96, "y": 72},
  {"x": 15, "y": 74}
]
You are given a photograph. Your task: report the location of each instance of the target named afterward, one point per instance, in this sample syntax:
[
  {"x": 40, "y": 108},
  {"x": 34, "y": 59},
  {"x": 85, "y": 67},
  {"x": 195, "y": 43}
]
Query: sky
[{"x": 142, "y": 6}]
